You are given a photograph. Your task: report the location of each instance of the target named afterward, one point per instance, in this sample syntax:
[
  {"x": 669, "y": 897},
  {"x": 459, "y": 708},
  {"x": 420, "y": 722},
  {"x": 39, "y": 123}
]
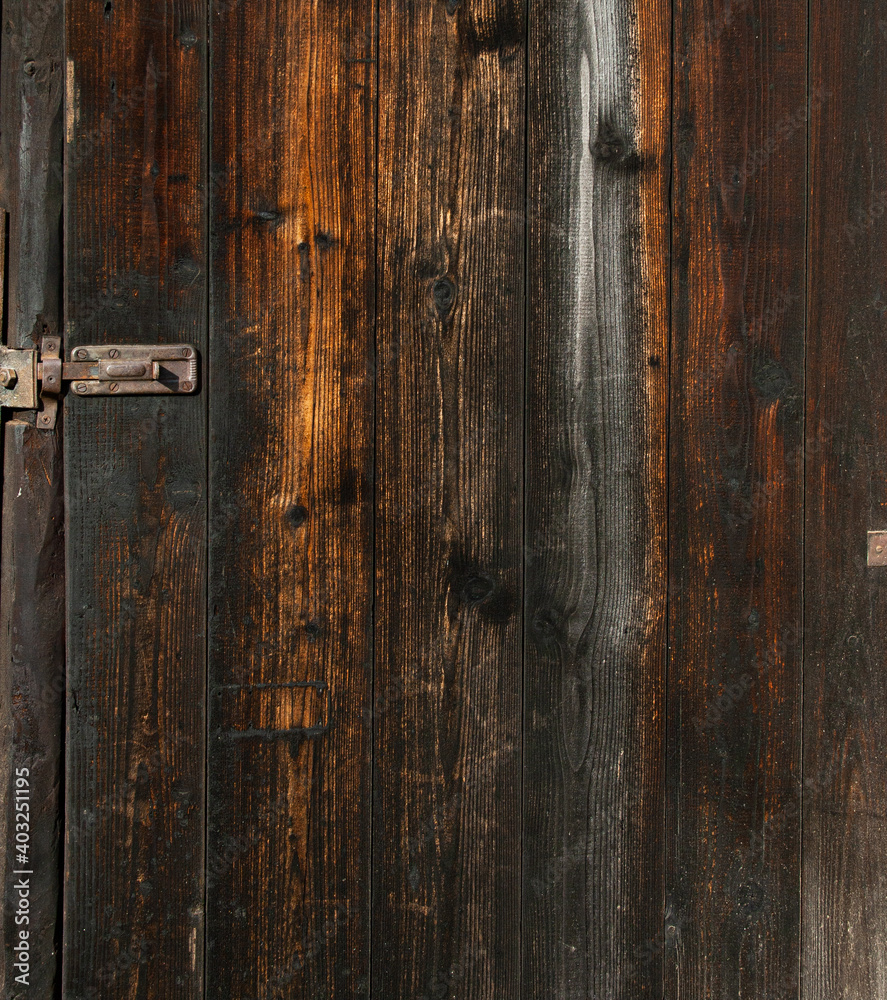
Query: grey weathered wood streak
[
  {"x": 446, "y": 877},
  {"x": 735, "y": 474},
  {"x": 136, "y": 238},
  {"x": 32, "y": 588},
  {"x": 291, "y": 460},
  {"x": 844, "y": 936},
  {"x": 597, "y": 377}
]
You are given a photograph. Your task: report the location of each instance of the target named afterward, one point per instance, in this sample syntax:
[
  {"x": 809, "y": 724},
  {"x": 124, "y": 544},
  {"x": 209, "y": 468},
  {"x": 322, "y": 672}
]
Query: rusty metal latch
[{"x": 109, "y": 370}]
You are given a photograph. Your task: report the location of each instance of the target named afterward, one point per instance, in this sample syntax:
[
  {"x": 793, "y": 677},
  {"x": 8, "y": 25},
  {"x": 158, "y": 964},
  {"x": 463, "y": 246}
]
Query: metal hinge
[{"x": 110, "y": 370}]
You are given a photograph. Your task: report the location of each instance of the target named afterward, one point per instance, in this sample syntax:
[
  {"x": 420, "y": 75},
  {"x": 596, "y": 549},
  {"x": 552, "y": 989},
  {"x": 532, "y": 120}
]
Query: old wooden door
[{"x": 491, "y": 617}]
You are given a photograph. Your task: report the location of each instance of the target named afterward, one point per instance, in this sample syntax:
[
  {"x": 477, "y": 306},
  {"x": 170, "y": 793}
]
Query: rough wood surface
[
  {"x": 735, "y": 505},
  {"x": 32, "y": 650},
  {"x": 32, "y": 587},
  {"x": 446, "y": 876},
  {"x": 597, "y": 366},
  {"x": 844, "y": 943},
  {"x": 503, "y": 448},
  {"x": 136, "y": 236},
  {"x": 291, "y": 460}
]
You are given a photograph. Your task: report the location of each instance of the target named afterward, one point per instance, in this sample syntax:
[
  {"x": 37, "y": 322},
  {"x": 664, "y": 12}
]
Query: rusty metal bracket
[
  {"x": 50, "y": 372},
  {"x": 18, "y": 379},
  {"x": 108, "y": 370}
]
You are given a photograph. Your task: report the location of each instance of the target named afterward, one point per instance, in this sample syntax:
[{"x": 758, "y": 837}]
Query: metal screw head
[
  {"x": 8, "y": 377},
  {"x": 80, "y": 387},
  {"x": 113, "y": 353},
  {"x": 45, "y": 418},
  {"x": 113, "y": 387},
  {"x": 80, "y": 353},
  {"x": 186, "y": 352},
  {"x": 187, "y": 386}
]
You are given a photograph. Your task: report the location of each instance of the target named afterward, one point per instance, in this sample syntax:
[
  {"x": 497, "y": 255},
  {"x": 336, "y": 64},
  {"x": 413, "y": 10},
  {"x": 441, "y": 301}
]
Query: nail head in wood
[{"x": 877, "y": 548}]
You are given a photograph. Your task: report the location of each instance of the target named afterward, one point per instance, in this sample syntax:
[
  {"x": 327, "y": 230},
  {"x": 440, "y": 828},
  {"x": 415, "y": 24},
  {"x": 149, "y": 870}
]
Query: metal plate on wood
[
  {"x": 133, "y": 370},
  {"x": 877, "y": 548},
  {"x": 18, "y": 379}
]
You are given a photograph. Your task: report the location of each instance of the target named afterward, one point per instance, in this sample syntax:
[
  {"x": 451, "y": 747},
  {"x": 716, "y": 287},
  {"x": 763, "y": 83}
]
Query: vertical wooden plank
[
  {"x": 136, "y": 235},
  {"x": 32, "y": 647},
  {"x": 291, "y": 519},
  {"x": 740, "y": 124},
  {"x": 32, "y": 591},
  {"x": 597, "y": 367},
  {"x": 845, "y": 773},
  {"x": 446, "y": 892}
]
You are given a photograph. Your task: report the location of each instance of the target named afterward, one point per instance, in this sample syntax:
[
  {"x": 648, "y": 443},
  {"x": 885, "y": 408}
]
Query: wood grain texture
[
  {"x": 32, "y": 614},
  {"x": 136, "y": 236},
  {"x": 446, "y": 876},
  {"x": 291, "y": 457},
  {"x": 733, "y": 755},
  {"x": 32, "y": 590},
  {"x": 597, "y": 365},
  {"x": 844, "y": 941}
]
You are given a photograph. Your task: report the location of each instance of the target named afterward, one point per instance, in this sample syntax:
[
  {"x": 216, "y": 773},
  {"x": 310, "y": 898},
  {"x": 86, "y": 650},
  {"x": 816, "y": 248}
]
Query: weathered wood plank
[
  {"x": 844, "y": 938},
  {"x": 32, "y": 650},
  {"x": 446, "y": 889},
  {"x": 136, "y": 236},
  {"x": 597, "y": 364},
  {"x": 733, "y": 756},
  {"x": 33, "y": 589},
  {"x": 291, "y": 455}
]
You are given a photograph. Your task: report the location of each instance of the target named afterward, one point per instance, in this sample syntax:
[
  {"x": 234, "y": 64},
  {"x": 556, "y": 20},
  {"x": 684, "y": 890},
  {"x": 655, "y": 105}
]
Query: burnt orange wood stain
[{"x": 494, "y": 622}]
